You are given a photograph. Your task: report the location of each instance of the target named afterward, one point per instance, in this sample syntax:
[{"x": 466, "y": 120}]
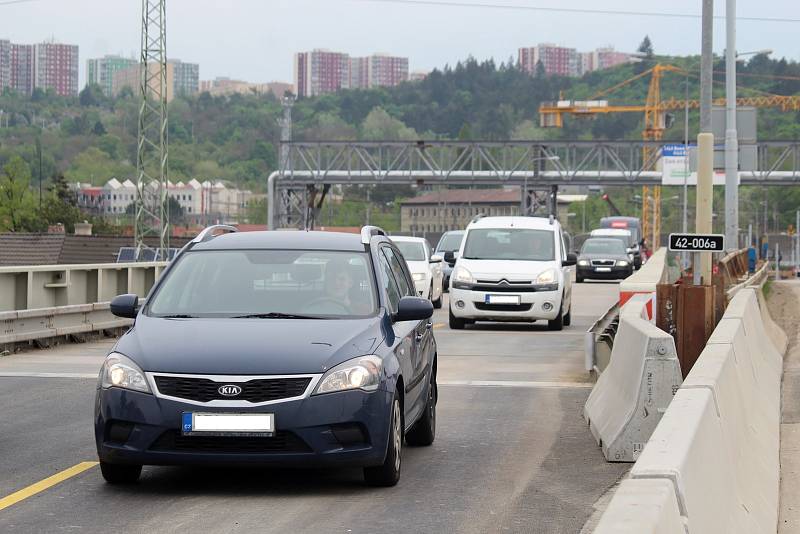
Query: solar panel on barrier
[
  {"x": 126, "y": 254},
  {"x": 147, "y": 254},
  {"x": 172, "y": 253}
]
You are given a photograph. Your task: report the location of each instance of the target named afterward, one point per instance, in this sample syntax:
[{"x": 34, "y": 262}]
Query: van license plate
[{"x": 502, "y": 299}]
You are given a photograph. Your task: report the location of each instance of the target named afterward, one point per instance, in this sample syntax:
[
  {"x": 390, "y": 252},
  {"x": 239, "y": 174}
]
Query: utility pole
[
  {"x": 685, "y": 225},
  {"x": 152, "y": 211},
  {"x": 705, "y": 146},
  {"x": 731, "y": 136}
]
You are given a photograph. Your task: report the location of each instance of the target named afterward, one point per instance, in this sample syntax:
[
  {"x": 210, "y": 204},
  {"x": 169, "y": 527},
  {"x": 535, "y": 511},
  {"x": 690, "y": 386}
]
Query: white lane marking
[
  {"x": 26, "y": 374},
  {"x": 514, "y": 384}
]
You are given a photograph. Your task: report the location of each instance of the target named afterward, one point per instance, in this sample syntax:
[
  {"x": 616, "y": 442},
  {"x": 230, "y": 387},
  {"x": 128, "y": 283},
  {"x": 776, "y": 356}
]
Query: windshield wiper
[
  {"x": 274, "y": 315},
  {"x": 178, "y": 316}
]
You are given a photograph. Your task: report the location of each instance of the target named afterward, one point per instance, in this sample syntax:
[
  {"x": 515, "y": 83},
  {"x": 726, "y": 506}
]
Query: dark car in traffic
[
  {"x": 449, "y": 242},
  {"x": 275, "y": 349},
  {"x": 603, "y": 258}
]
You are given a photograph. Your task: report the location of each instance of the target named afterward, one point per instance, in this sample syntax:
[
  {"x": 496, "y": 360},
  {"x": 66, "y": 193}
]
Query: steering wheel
[{"x": 323, "y": 301}]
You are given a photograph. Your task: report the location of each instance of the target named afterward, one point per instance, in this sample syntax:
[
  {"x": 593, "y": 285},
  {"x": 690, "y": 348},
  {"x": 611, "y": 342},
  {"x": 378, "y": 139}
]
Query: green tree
[
  {"x": 17, "y": 203},
  {"x": 96, "y": 166},
  {"x": 91, "y": 95},
  {"x": 646, "y": 47}
]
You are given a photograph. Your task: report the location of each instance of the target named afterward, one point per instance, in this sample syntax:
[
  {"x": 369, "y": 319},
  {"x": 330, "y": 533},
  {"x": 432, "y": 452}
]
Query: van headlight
[
  {"x": 462, "y": 278},
  {"x": 363, "y": 372},
  {"x": 547, "y": 280},
  {"x": 121, "y": 372}
]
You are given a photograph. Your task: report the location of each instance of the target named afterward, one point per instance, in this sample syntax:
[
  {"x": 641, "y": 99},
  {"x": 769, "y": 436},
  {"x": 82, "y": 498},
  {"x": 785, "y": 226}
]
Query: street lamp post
[{"x": 731, "y": 141}]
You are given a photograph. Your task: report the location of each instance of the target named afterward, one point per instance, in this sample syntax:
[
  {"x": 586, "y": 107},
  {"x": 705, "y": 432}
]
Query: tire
[
  {"x": 557, "y": 323},
  {"x": 578, "y": 279},
  {"x": 388, "y": 473},
  {"x": 424, "y": 431},
  {"x": 120, "y": 473},
  {"x": 438, "y": 302},
  {"x": 456, "y": 323},
  {"x": 568, "y": 316}
]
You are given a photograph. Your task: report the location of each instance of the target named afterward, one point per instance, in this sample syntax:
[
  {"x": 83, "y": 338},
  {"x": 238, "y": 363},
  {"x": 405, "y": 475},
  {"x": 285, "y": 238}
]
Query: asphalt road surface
[{"x": 512, "y": 451}]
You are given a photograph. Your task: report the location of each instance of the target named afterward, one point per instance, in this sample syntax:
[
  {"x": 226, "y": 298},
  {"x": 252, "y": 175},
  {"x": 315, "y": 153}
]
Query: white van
[{"x": 512, "y": 269}]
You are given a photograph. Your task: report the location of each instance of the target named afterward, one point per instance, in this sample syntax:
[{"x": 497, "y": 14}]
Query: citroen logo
[{"x": 229, "y": 390}]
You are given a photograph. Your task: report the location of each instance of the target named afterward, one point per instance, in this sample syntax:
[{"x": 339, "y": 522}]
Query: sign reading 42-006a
[{"x": 697, "y": 242}]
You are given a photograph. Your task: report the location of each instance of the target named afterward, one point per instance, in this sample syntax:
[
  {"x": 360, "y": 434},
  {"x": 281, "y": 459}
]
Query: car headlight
[
  {"x": 547, "y": 277},
  {"x": 462, "y": 278},
  {"x": 363, "y": 372},
  {"x": 583, "y": 263},
  {"x": 622, "y": 263},
  {"x": 120, "y": 372},
  {"x": 418, "y": 277}
]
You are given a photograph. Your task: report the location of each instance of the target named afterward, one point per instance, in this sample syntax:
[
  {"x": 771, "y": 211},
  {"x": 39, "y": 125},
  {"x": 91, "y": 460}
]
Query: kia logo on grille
[{"x": 229, "y": 390}]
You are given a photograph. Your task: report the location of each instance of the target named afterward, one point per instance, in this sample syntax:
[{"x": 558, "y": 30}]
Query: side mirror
[
  {"x": 571, "y": 260},
  {"x": 413, "y": 309},
  {"x": 450, "y": 257},
  {"x": 630, "y": 250},
  {"x": 436, "y": 259},
  {"x": 125, "y": 305}
]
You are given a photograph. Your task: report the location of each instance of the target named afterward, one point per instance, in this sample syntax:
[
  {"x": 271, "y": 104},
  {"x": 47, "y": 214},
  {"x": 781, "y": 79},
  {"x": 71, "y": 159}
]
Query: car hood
[
  {"x": 418, "y": 267},
  {"x": 604, "y": 257},
  {"x": 508, "y": 269},
  {"x": 248, "y": 346}
]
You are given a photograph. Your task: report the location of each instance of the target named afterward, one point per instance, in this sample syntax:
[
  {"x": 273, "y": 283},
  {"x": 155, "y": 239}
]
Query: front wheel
[
  {"x": 568, "y": 316},
  {"x": 120, "y": 473},
  {"x": 557, "y": 323},
  {"x": 388, "y": 473},
  {"x": 424, "y": 431},
  {"x": 438, "y": 302},
  {"x": 456, "y": 323}
]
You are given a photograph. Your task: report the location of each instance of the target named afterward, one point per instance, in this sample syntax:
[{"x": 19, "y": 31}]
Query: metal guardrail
[{"x": 599, "y": 340}]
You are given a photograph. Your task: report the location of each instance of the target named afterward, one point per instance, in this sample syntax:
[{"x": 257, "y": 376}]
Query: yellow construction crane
[{"x": 655, "y": 110}]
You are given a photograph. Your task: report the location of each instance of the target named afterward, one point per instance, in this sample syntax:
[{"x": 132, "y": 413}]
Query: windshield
[
  {"x": 626, "y": 238},
  {"x": 411, "y": 251},
  {"x": 235, "y": 283},
  {"x": 450, "y": 242},
  {"x": 604, "y": 246},
  {"x": 510, "y": 244}
]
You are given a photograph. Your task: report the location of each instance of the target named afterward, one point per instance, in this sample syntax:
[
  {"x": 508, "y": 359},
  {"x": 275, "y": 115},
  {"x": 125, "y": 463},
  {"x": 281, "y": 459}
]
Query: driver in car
[{"x": 340, "y": 287}]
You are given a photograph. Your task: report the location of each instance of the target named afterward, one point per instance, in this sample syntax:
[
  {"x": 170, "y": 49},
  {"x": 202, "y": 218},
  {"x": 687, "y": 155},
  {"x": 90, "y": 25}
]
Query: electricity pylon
[{"x": 152, "y": 212}]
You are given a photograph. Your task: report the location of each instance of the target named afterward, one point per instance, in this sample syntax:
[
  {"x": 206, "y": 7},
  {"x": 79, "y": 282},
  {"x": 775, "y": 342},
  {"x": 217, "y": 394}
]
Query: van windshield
[
  {"x": 510, "y": 244},
  {"x": 450, "y": 242}
]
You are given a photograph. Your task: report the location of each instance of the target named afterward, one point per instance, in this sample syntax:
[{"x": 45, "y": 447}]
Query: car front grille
[
  {"x": 603, "y": 263},
  {"x": 282, "y": 441},
  {"x": 255, "y": 391},
  {"x": 503, "y": 307}
]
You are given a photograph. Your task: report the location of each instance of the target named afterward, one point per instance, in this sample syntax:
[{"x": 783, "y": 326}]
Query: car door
[
  {"x": 405, "y": 331},
  {"x": 420, "y": 332}
]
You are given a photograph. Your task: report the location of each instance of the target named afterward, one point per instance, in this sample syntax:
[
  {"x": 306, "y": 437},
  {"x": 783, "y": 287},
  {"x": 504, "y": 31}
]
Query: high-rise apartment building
[
  {"x": 182, "y": 78},
  {"x": 556, "y": 60},
  {"x": 56, "y": 68},
  {"x": 22, "y": 68},
  {"x": 187, "y": 77},
  {"x": 387, "y": 71},
  {"x": 5, "y": 64},
  {"x": 563, "y": 61},
  {"x": 321, "y": 71},
  {"x": 101, "y": 71},
  {"x": 226, "y": 86}
]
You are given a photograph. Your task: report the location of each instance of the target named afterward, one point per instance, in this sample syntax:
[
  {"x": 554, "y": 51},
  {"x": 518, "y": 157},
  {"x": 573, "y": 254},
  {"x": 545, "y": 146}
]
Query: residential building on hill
[
  {"x": 322, "y": 71},
  {"x": 182, "y": 78},
  {"x": 100, "y": 71},
  {"x": 564, "y": 61}
]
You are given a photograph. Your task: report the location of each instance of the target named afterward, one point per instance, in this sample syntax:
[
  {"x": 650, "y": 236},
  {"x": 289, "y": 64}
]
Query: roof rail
[
  {"x": 478, "y": 217},
  {"x": 368, "y": 231},
  {"x": 208, "y": 233}
]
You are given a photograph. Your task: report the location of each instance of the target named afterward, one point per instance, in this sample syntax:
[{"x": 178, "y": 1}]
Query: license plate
[
  {"x": 603, "y": 269},
  {"x": 226, "y": 424},
  {"x": 502, "y": 299}
]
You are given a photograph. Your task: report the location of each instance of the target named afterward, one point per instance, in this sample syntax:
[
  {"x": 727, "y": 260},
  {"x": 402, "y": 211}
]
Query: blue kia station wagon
[{"x": 275, "y": 349}]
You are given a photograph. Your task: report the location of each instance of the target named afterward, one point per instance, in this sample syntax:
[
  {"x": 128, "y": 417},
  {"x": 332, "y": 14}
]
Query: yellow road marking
[{"x": 42, "y": 485}]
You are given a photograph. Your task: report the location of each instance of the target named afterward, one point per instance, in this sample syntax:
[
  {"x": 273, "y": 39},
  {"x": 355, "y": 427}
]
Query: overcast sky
[{"x": 255, "y": 40}]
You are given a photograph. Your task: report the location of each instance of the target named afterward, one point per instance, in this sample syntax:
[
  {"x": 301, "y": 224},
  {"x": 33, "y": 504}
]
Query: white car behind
[{"x": 426, "y": 269}]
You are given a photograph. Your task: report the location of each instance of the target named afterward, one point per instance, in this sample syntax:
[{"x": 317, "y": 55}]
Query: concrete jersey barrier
[
  {"x": 635, "y": 389},
  {"x": 718, "y": 442},
  {"x": 645, "y": 280}
]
